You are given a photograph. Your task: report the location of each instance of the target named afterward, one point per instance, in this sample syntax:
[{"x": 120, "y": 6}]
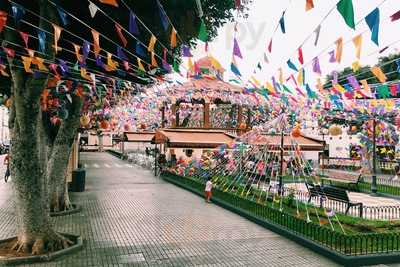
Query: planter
[
  {"x": 75, "y": 209},
  {"x": 78, "y": 244}
]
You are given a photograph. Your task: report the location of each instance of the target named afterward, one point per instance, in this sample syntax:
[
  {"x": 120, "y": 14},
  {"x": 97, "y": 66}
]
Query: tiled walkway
[{"x": 130, "y": 218}]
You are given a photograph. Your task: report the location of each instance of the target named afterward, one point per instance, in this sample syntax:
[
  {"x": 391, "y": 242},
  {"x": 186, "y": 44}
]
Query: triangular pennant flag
[
  {"x": 291, "y": 65},
  {"x": 63, "y": 67},
  {"x": 259, "y": 66},
  {"x": 120, "y": 34},
  {"x": 395, "y": 16},
  {"x": 203, "y": 35},
  {"x": 175, "y": 66},
  {"x": 236, "y": 48},
  {"x": 25, "y": 38},
  {"x": 85, "y": 49},
  {"x": 317, "y": 32},
  {"x": 111, "y": 63},
  {"x": 235, "y": 70},
  {"x": 10, "y": 52},
  {"x": 31, "y": 52},
  {"x": 345, "y": 8},
  {"x": 57, "y": 33},
  {"x": 270, "y": 46},
  {"x": 355, "y": 66},
  {"x": 163, "y": 16},
  {"x": 357, "y": 41},
  {"x": 300, "y": 78},
  {"x": 173, "y": 38},
  {"x": 339, "y": 49},
  {"x": 96, "y": 42},
  {"x": 93, "y": 9},
  {"x": 63, "y": 16},
  {"x": 121, "y": 54},
  {"x": 379, "y": 74},
  {"x": 42, "y": 41},
  {"x": 300, "y": 52},
  {"x": 266, "y": 58},
  {"x": 77, "y": 48},
  {"x": 152, "y": 42},
  {"x": 309, "y": 5},
  {"x": 280, "y": 77},
  {"x": 373, "y": 23},
  {"x": 3, "y": 71},
  {"x": 353, "y": 82},
  {"x": 190, "y": 64},
  {"x": 186, "y": 51},
  {"x": 133, "y": 27},
  {"x": 18, "y": 12},
  {"x": 3, "y": 20},
  {"x": 27, "y": 61},
  {"x": 282, "y": 23},
  {"x": 153, "y": 60},
  {"x": 140, "y": 50},
  {"x": 85, "y": 75},
  {"x": 315, "y": 66},
  {"x": 332, "y": 57},
  {"x": 110, "y": 2},
  {"x": 140, "y": 65},
  {"x": 383, "y": 91},
  {"x": 398, "y": 65}
]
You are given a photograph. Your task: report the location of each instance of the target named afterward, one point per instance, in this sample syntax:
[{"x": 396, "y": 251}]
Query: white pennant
[
  {"x": 266, "y": 58},
  {"x": 93, "y": 9},
  {"x": 317, "y": 30},
  {"x": 198, "y": 2}
]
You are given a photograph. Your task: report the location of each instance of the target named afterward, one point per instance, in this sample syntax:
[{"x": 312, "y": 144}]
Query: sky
[{"x": 255, "y": 32}]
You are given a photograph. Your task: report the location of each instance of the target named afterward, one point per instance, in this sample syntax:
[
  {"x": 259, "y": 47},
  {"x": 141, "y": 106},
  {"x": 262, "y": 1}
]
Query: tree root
[{"x": 42, "y": 244}]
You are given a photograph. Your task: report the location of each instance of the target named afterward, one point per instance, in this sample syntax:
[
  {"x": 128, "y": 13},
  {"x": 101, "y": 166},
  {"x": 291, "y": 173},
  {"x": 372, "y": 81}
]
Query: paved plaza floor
[{"x": 131, "y": 218}]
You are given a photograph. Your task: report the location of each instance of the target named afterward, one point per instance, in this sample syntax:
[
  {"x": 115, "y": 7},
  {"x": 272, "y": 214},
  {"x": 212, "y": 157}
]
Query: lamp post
[{"x": 374, "y": 188}]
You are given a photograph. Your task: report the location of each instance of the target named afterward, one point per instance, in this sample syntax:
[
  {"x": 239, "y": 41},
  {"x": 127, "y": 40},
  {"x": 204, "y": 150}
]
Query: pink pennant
[
  {"x": 25, "y": 37},
  {"x": 300, "y": 52}
]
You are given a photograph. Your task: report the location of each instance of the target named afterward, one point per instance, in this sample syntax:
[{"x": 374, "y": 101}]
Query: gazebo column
[{"x": 206, "y": 115}]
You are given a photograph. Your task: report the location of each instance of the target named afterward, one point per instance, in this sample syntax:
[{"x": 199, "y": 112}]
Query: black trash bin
[{"x": 78, "y": 180}]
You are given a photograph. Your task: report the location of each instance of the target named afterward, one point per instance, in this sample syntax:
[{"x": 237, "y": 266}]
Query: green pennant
[
  {"x": 76, "y": 66},
  {"x": 203, "y": 35},
  {"x": 383, "y": 91},
  {"x": 175, "y": 66},
  {"x": 345, "y": 8},
  {"x": 205, "y": 70}
]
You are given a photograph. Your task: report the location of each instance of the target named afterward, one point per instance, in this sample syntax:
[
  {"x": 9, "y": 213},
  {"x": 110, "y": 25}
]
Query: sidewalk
[{"x": 131, "y": 218}]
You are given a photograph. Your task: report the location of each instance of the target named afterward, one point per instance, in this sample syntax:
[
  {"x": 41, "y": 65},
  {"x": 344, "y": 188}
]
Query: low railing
[{"x": 346, "y": 245}]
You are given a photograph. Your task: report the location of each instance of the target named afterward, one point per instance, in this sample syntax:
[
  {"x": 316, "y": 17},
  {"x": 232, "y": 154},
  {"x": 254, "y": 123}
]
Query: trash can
[{"x": 78, "y": 180}]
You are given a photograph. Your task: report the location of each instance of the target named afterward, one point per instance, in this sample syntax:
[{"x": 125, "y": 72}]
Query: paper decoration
[
  {"x": 111, "y": 63},
  {"x": 315, "y": 66},
  {"x": 291, "y": 65},
  {"x": 353, "y": 82},
  {"x": 300, "y": 77},
  {"x": 3, "y": 20},
  {"x": 300, "y": 53},
  {"x": 77, "y": 49},
  {"x": 121, "y": 54},
  {"x": 266, "y": 58},
  {"x": 163, "y": 16},
  {"x": 357, "y": 41},
  {"x": 309, "y": 5},
  {"x": 236, "y": 48},
  {"x": 379, "y": 74},
  {"x": 153, "y": 60},
  {"x": 42, "y": 41},
  {"x": 383, "y": 91},
  {"x": 332, "y": 57},
  {"x": 27, "y": 61},
  {"x": 10, "y": 52},
  {"x": 25, "y": 38},
  {"x": 282, "y": 23},
  {"x": 235, "y": 70},
  {"x": 280, "y": 76},
  {"x": 152, "y": 43},
  {"x": 140, "y": 50},
  {"x": 270, "y": 46},
  {"x": 365, "y": 86},
  {"x": 345, "y": 8},
  {"x": 372, "y": 21},
  {"x": 63, "y": 67},
  {"x": 186, "y": 51},
  {"x": 335, "y": 77},
  {"x": 140, "y": 65},
  {"x": 133, "y": 27},
  {"x": 121, "y": 36},
  {"x": 110, "y": 2},
  {"x": 63, "y": 16},
  {"x": 57, "y": 33},
  {"x": 3, "y": 71},
  {"x": 18, "y": 12},
  {"x": 238, "y": 4},
  {"x": 85, "y": 75},
  {"x": 355, "y": 66},
  {"x": 203, "y": 35},
  {"x": 398, "y": 65},
  {"x": 395, "y": 16},
  {"x": 317, "y": 32},
  {"x": 339, "y": 49},
  {"x": 393, "y": 90},
  {"x": 93, "y": 9},
  {"x": 96, "y": 42},
  {"x": 173, "y": 38}
]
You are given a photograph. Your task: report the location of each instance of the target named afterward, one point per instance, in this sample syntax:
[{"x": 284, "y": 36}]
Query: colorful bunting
[
  {"x": 203, "y": 34},
  {"x": 345, "y": 8},
  {"x": 357, "y": 41},
  {"x": 121, "y": 54},
  {"x": 111, "y": 63},
  {"x": 339, "y": 49},
  {"x": 110, "y": 2},
  {"x": 175, "y": 65},
  {"x": 27, "y": 61},
  {"x": 383, "y": 91},
  {"x": 152, "y": 43},
  {"x": 120, "y": 34},
  {"x": 10, "y": 52},
  {"x": 353, "y": 82},
  {"x": 291, "y": 65},
  {"x": 3, "y": 71},
  {"x": 309, "y": 5},
  {"x": 96, "y": 42},
  {"x": 133, "y": 27},
  {"x": 18, "y": 12},
  {"x": 398, "y": 65},
  {"x": 300, "y": 77},
  {"x": 63, "y": 16},
  {"x": 57, "y": 33},
  {"x": 395, "y": 16},
  {"x": 236, "y": 48},
  {"x": 317, "y": 32},
  {"x": 3, "y": 20},
  {"x": 366, "y": 87},
  {"x": 372, "y": 21},
  {"x": 25, "y": 38},
  {"x": 300, "y": 53},
  {"x": 379, "y": 74},
  {"x": 42, "y": 41},
  {"x": 280, "y": 76},
  {"x": 282, "y": 23},
  {"x": 315, "y": 66},
  {"x": 173, "y": 38},
  {"x": 93, "y": 9}
]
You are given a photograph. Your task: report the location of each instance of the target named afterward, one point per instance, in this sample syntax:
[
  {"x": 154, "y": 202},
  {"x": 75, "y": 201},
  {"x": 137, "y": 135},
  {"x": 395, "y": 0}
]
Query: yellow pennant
[
  {"x": 256, "y": 81},
  {"x": 339, "y": 49},
  {"x": 190, "y": 64},
  {"x": 57, "y": 34},
  {"x": 96, "y": 42},
  {"x": 39, "y": 62},
  {"x": 379, "y": 74},
  {"x": 27, "y": 61},
  {"x": 140, "y": 65},
  {"x": 173, "y": 38},
  {"x": 280, "y": 76},
  {"x": 366, "y": 88},
  {"x": 355, "y": 66},
  {"x": 111, "y": 63},
  {"x": 152, "y": 43},
  {"x": 339, "y": 88},
  {"x": 215, "y": 63},
  {"x": 153, "y": 60},
  {"x": 269, "y": 87},
  {"x": 84, "y": 74},
  {"x": 357, "y": 41},
  {"x": 300, "y": 77}
]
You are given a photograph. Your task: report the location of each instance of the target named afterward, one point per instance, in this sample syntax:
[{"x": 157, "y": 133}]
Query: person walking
[
  {"x": 208, "y": 189},
  {"x": 7, "y": 163}
]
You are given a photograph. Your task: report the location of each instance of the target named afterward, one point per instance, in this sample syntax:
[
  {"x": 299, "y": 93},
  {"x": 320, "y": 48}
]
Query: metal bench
[
  {"x": 350, "y": 179},
  {"x": 332, "y": 193}
]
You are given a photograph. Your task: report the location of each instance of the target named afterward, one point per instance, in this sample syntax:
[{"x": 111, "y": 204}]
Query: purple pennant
[
  {"x": 99, "y": 62},
  {"x": 163, "y": 16},
  {"x": 133, "y": 28},
  {"x": 236, "y": 48},
  {"x": 85, "y": 49},
  {"x": 353, "y": 82},
  {"x": 121, "y": 54},
  {"x": 332, "y": 58},
  {"x": 335, "y": 77},
  {"x": 315, "y": 65},
  {"x": 63, "y": 67},
  {"x": 186, "y": 51},
  {"x": 166, "y": 66},
  {"x": 273, "y": 82}
]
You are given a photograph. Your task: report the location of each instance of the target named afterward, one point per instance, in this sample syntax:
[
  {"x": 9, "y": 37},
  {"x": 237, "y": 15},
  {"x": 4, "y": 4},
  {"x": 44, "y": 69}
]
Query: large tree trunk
[{"x": 60, "y": 155}]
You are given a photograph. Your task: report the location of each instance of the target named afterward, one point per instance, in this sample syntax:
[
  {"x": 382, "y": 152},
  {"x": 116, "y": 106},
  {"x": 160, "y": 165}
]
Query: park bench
[
  {"x": 332, "y": 193},
  {"x": 350, "y": 179}
]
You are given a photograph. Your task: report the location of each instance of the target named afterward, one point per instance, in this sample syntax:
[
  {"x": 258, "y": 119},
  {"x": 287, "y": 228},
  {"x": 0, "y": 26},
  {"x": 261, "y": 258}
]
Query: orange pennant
[
  {"x": 173, "y": 38},
  {"x": 77, "y": 48},
  {"x": 140, "y": 65},
  {"x": 27, "y": 61},
  {"x": 3, "y": 71},
  {"x": 57, "y": 34},
  {"x": 111, "y": 63},
  {"x": 309, "y": 5},
  {"x": 379, "y": 74},
  {"x": 357, "y": 41},
  {"x": 39, "y": 62},
  {"x": 339, "y": 49},
  {"x": 153, "y": 60},
  {"x": 152, "y": 42},
  {"x": 366, "y": 87},
  {"x": 121, "y": 36},
  {"x": 110, "y": 2},
  {"x": 84, "y": 74},
  {"x": 96, "y": 42}
]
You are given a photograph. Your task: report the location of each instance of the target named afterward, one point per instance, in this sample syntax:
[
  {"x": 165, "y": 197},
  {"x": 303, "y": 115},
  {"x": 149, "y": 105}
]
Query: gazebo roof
[
  {"x": 144, "y": 137},
  {"x": 289, "y": 142},
  {"x": 208, "y": 84}
]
